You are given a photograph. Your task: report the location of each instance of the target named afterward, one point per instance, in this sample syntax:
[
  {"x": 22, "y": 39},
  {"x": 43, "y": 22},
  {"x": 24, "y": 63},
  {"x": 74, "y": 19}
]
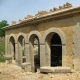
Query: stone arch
[
  {"x": 47, "y": 45},
  {"x": 35, "y": 33},
  {"x": 11, "y": 47},
  {"x": 22, "y": 34},
  {"x": 33, "y": 58},
  {"x": 22, "y": 40},
  {"x": 55, "y": 30},
  {"x": 12, "y": 35}
]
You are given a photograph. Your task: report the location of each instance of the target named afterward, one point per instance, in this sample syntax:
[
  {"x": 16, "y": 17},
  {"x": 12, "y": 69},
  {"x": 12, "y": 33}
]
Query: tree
[{"x": 3, "y": 23}]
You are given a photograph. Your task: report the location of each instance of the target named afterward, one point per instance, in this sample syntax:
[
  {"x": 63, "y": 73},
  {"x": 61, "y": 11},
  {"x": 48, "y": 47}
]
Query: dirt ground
[{"x": 13, "y": 72}]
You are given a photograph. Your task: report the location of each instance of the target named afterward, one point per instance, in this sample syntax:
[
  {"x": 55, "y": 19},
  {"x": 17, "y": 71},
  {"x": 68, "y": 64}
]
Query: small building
[{"x": 58, "y": 39}]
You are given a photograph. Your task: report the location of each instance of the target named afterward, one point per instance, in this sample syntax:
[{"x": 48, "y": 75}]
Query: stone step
[{"x": 47, "y": 69}]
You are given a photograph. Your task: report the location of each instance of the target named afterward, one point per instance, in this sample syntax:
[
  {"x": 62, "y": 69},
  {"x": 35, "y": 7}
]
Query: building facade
[{"x": 58, "y": 35}]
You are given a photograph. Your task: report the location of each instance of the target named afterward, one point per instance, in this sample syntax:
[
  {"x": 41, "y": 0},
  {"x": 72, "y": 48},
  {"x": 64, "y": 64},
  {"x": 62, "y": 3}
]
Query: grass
[{"x": 2, "y": 51}]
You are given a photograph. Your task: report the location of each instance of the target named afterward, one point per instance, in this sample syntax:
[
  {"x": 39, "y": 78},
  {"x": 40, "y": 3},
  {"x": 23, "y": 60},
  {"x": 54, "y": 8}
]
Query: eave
[{"x": 57, "y": 14}]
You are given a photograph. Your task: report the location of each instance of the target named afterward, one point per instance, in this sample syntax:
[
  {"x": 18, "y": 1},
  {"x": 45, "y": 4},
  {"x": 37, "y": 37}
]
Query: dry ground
[{"x": 13, "y": 72}]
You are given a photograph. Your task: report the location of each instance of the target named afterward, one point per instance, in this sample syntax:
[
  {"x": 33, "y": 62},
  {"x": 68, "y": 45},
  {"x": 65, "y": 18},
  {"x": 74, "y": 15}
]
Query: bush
[
  {"x": 2, "y": 59},
  {"x": 2, "y": 51}
]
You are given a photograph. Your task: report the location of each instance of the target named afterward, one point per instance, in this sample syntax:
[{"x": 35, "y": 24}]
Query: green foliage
[
  {"x": 3, "y": 23},
  {"x": 2, "y": 51},
  {"x": 22, "y": 52},
  {"x": 36, "y": 52},
  {"x": 2, "y": 47},
  {"x": 2, "y": 59}
]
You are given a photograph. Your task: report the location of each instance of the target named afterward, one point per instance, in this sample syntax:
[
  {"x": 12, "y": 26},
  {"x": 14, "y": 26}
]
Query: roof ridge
[{"x": 43, "y": 13}]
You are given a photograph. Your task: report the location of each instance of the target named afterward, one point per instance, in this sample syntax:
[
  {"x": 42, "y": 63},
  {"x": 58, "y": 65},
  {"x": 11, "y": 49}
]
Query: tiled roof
[{"x": 45, "y": 13}]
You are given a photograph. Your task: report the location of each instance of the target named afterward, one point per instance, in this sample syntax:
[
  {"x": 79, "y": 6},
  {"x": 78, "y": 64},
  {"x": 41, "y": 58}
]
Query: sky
[{"x": 13, "y": 10}]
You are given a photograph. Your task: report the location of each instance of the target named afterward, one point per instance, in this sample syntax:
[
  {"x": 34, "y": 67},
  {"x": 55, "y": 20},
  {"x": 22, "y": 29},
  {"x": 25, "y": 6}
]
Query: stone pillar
[
  {"x": 76, "y": 41},
  {"x": 8, "y": 54},
  {"x": 63, "y": 56},
  {"x": 31, "y": 56},
  {"x": 16, "y": 53},
  {"x": 9, "y": 50},
  {"x": 19, "y": 54},
  {"x": 27, "y": 52},
  {"x": 38, "y": 49},
  {"x": 47, "y": 54},
  {"x": 42, "y": 55},
  {"x": 6, "y": 45}
]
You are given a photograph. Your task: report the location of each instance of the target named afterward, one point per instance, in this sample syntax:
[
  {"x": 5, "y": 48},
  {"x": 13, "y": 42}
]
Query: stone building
[{"x": 57, "y": 32}]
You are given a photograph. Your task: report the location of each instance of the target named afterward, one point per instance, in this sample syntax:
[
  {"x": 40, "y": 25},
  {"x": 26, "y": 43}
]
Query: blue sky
[{"x": 18, "y": 9}]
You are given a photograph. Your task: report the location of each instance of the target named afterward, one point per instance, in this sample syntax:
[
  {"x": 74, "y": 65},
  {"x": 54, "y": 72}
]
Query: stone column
[
  {"x": 8, "y": 54},
  {"x": 9, "y": 50},
  {"x": 16, "y": 53},
  {"x": 38, "y": 49},
  {"x": 27, "y": 65},
  {"x": 76, "y": 41},
  {"x": 42, "y": 55},
  {"x": 63, "y": 55},
  {"x": 6, "y": 46},
  {"x": 47, "y": 54},
  {"x": 27, "y": 52},
  {"x": 19, "y": 54},
  {"x": 31, "y": 56}
]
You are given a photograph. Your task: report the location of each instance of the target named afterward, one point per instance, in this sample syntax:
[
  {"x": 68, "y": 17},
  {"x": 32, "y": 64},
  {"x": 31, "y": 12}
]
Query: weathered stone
[
  {"x": 55, "y": 9},
  {"x": 65, "y": 24},
  {"x": 29, "y": 17},
  {"x": 20, "y": 20},
  {"x": 67, "y": 5},
  {"x": 55, "y": 69},
  {"x": 51, "y": 10},
  {"x": 8, "y": 59},
  {"x": 61, "y": 7},
  {"x": 13, "y": 22},
  {"x": 26, "y": 67},
  {"x": 40, "y": 13}
]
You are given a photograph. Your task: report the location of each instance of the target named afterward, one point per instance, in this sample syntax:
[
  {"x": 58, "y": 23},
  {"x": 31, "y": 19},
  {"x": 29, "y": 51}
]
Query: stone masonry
[{"x": 63, "y": 21}]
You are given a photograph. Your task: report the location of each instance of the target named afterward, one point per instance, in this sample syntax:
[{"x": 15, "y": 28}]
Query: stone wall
[
  {"x": 64, "y": 22},
  {"x": 76, "y": 42},
  {"x": 66, "y": 25}
]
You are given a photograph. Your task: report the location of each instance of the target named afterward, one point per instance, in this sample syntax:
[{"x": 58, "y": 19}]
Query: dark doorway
[
  {"x": 34, "y": 46},
  {"x": 36, "y": 53},
  {"x": 56, "y": 50},
  {"x": 12, "y": 47}
]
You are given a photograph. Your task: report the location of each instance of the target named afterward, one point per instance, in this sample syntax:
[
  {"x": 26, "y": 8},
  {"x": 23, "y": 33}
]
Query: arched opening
[
  {"x": 53, "y": 50},
  {"x": 56, "y": 50},
  {"x": 21, "y": 50},
  {"x": 12, "y": 48},
  {"x": 34, "y": 50}
]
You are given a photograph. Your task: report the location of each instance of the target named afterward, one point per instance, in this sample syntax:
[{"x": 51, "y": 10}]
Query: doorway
[{"x": 56, "y": 50}]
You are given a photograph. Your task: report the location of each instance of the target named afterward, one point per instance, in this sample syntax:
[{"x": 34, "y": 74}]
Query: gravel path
[{"x": 13, "y": 72}]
